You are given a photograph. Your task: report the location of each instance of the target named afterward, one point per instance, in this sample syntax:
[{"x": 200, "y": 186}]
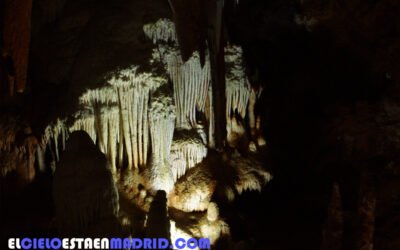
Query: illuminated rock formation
[
  {"x": 187, "y": 150},
  {"x": 117, "y": 115},
  {"x": 161, "y": 119},
  {"x": 162, "y": 130},
  {"x": 235, "y": 132},
  {"x": 193, "y": 191},
  {"x": 162, "y": 30},
  {"x": 207, "y": 225},
  {"x": 250, "y": 174},
  {"x": 237, "y": 85},
  {"x": 133, "y": 91},
  {"x": 177, "y": 233},
  {"x": 54, "y": 134},
  {"x": 190, "y": 79},
  {"x": 241, "y": 99}
]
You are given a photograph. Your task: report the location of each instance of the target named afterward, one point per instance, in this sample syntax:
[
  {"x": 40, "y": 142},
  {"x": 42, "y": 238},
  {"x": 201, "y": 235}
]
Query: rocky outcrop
[{"x": 85, "y": 195}]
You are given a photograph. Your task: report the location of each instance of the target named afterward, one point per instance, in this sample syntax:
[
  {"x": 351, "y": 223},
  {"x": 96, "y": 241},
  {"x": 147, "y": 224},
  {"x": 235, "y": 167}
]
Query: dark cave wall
[
  {"x": 330, "y": 108},
  {"x": 79, "y": 44},
  {"x": 16, "y": 32}
]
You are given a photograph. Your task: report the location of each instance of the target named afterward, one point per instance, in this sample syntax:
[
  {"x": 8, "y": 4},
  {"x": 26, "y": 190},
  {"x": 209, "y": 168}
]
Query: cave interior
[{"x": 258, "y": 124}]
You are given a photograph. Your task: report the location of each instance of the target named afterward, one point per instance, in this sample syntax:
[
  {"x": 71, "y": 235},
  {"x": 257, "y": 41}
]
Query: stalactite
[
  {"x": 84, "y": 120},
  {"x": 8, "y": 131},
  {"x": 124, "y": 116},
  {"x": 55, "y": 132},
  {"x": 40, "y": 155},
  {"x": 188, "y": 149},
  {"x": 250, "y": 174},
  {"x": 104, "y": 125},
  {"x": 241, "y": 99},
  {"x": 115, "y": 115},
  {"x": 237, "y": 84},
  {"x": 190, "y": 79},
  {"x": 113, "y": 137},
  {"x": 100, "y": 101},
  {"x": 238, "y": 92},
  {"x": 191, "y": 83},
  {"x": 162, "y": 30},
  {"x": 133, "y": 90}
]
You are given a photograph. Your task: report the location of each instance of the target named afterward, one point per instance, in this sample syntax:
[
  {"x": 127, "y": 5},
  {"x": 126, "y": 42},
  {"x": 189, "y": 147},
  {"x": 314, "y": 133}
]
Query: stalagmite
[
  {"x": 193, "y": 191},
  {"x": 366, "y": 212},
  {"x": 235, "y": 132},
  {"x": 84, "y": 190},
  {"x": 254, "y": 120},
  {"x": 260, "y": 139},
  {"x": 161, "y": 121},
  {"x": 177, "y": 233},
  {"x": 207, "y": 225},
  {"x": 187, "y": 150},
  {"x": 332, "y": 232},
  {"x": 213, "y": 227},
  {"x": 212, "y": 211},
  {"x": 251, "y": 112},
  {"x": 158, "y": 223}
]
